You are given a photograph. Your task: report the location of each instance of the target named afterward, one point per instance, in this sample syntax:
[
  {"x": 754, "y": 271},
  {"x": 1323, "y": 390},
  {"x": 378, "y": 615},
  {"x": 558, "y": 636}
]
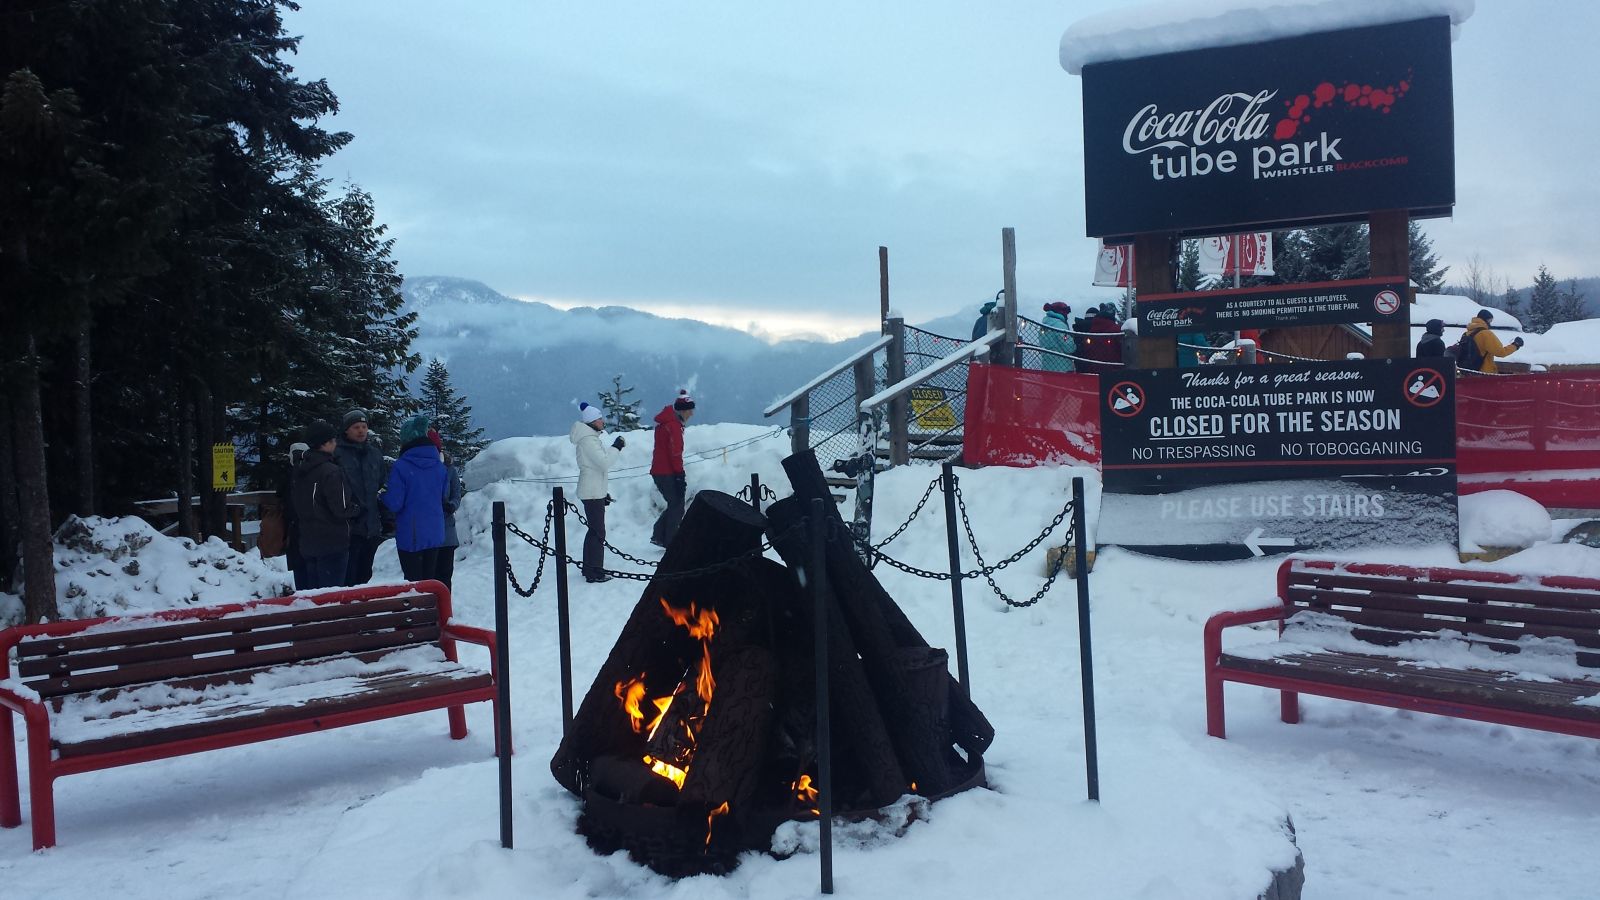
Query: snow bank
[
  {"x": 1502, "y": 519},
  {"x": 110, "y": 566},
  {"x": 1170, "y": 27}
]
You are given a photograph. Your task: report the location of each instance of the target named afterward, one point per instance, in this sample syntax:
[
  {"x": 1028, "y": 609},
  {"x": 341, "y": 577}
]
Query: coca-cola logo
[
  {"x": 1172, "y": 317},
  {"x": 1233, "y": 117}
]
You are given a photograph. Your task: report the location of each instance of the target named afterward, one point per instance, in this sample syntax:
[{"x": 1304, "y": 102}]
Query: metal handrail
[
  {"x": 809, "y": 386},
  {"x": 967, "y": 351}
]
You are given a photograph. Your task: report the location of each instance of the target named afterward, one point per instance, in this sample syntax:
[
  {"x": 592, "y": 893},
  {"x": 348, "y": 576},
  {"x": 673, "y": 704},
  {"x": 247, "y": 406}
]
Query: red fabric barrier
[
  {"x": 1537, "y": 434},
  {"x": 1023, "y": 417}
]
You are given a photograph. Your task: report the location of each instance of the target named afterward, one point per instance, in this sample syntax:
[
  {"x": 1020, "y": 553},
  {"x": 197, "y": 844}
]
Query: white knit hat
[{"x": 589, "y": 413}]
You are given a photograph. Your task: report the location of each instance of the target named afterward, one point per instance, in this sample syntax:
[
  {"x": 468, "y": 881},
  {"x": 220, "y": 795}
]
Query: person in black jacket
[
  {"x": 1432, "y": 342},
  {"x": 291, "y": 522},
  {"x": 359, "y": 455},
  {"x": 323, "y": 508}
]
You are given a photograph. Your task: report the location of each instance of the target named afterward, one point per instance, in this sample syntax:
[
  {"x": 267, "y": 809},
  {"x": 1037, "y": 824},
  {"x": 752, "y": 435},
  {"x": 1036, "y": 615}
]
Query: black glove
[
  {"x": 618, "y": 443},
  {"x": 1516, "y": 342}
]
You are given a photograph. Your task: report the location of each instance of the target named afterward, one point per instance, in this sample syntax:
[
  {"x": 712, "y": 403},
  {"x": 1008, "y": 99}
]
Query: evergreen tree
[
  {"x": 1544, "y": 304},
  {"x": 1425, "y": 271},
  {"x": 1570, "y": 308},
  {"x": 450, "y": 413},
  {"x": 621, "y": 413},
  {"x": 1511, "y": 302},
  {"x": 1189, "y": 277}
]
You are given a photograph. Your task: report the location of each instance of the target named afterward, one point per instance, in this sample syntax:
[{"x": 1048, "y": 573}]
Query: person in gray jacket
[
  {"x": 359, "y": 455},
  {"x": 323, "y": 509}
]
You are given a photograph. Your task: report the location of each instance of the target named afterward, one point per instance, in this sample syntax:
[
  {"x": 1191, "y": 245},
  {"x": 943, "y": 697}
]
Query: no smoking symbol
[
  {"x": 1126, "y": 399},
  {"x": 1424, "y": 388},
  {"x": 1386, "y": 303}
]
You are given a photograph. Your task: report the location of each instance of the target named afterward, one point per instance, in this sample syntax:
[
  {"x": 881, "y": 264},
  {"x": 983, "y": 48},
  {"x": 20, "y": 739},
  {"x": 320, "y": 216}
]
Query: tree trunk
[
  {"x": 10, "y": 513},
  {"x": 33, "y": 495},
  {"x": 84, "y": 423},
  {"x": 186, "y": 465},
  {"x": 206, "y": 434}
]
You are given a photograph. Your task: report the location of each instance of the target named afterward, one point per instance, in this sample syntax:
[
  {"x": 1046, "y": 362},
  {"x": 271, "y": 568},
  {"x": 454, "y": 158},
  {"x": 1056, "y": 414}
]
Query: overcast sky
[{"x": 741, "y": 163}]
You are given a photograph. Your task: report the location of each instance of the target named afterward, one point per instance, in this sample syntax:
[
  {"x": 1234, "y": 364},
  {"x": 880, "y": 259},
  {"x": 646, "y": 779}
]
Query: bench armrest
[
  {"x": 474, "y": 635},
  {"x": 33, "y": 711},
  {"x": 1215, "y": 624}
]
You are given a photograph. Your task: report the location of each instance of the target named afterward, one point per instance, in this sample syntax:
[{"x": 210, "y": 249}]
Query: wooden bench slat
[
  {"x": 139, "y": 673},
  {"x": 1496, "y": 689},
  {"x": 69, "y": 663},
  {"x": 1465, "y": 590},
  {"x": 1391, "y": 628},
  {"x": 376, "y": 691},
  {"x": 122, "y": 637},
  {"x": 1466, "y": 610}
]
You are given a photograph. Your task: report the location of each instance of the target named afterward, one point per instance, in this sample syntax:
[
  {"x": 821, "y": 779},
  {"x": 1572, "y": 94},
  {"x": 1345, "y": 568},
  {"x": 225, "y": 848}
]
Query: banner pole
[
  {"x": 563, "y": 619},
  {"x": 1091, "y": 753},
  {"x": 502, "y": 672},
  {"x": 818, "y": 576}
]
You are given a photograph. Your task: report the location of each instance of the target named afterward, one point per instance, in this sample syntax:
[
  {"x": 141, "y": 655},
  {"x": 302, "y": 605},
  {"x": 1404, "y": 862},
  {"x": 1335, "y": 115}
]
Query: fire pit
[{"x": 698, "y": 736}]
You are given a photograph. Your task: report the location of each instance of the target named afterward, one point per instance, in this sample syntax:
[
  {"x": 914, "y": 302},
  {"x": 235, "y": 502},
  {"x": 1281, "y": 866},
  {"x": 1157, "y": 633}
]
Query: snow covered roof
[
  {"x": 1454, "y": 309},
  {"x": 1169, "y": 27}
]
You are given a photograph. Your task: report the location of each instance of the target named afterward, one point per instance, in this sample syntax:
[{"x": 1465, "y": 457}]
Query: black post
[
  {"x": 1080, "y": 540},
  {"x": 949, "y": 477},
  {"x": 755, "y": 491},
  {"x": 563, "y": 620},
  {"x": 502, "y": 671},
  {"x": 817, "y": 576}
]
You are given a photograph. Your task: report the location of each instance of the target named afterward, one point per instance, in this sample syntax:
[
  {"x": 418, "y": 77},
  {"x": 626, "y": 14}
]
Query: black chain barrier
[
  {"x": 546, "y": 550},
  {"x": 767, "y": 493},
  {"x": 984, "y": 570},
  {"x": 652, "y": 563},
  {"x": 988, "y": 572},
  {"x": 874, "y": 552},
  {"x": 549, "y": 516}
]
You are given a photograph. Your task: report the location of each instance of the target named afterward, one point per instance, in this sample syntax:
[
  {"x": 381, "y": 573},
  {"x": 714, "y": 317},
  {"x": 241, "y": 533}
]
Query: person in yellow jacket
[{"x": 1489, "y": 346}]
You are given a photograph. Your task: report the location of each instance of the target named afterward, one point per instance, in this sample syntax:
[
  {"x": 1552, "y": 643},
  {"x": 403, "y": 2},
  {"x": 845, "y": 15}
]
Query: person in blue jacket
[{"x": 417, "y": 488}]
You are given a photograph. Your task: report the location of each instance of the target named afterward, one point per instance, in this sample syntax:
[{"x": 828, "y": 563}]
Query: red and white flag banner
[
  {"x": 1113, "y": 266},
  {"x": 1250, "y": 252}
]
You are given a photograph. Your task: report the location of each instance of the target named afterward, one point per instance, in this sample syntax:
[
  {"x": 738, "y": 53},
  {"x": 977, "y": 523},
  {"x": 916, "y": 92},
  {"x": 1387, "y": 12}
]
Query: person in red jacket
[
  {"x": 666, "y": 465},
  {"x": 1104, "y": 348}
]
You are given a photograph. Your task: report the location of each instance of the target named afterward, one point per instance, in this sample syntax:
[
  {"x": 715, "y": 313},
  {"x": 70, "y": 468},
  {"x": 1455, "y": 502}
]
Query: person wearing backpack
[
  {"x": 1480, "y": 347},
  {"x": 1432, "y": 342}
]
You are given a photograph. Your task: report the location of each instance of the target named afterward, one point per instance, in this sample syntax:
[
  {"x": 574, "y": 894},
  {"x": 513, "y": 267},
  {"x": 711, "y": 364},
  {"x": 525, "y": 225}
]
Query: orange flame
[
  {"x": 719, "y": 811},
  {"x": 668, "y": 771},
  {"x": 630, "y": 692},
  {"x": 804, "y": 792},
  {"x": 701, "y": 625}
]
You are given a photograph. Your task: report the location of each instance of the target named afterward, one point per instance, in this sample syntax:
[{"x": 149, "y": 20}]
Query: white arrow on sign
[{"x": 1255, "y": 542}]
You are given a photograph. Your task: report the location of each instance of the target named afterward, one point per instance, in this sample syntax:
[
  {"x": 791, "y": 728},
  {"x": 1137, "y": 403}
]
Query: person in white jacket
[{"x": 594, "y": 461}]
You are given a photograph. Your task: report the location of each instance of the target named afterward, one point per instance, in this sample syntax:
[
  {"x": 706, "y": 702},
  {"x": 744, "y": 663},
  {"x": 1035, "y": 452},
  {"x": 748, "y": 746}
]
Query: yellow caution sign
[
  {"x": 222, "y": 467},
  {"x": 929, "y": 409}
]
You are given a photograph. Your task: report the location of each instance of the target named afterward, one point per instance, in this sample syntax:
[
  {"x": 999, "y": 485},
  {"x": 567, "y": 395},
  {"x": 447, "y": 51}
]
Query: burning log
[{"x": 894, "y": 652}]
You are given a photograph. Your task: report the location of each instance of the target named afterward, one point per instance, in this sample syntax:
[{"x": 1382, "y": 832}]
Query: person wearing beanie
[
  {"x": 666, "y": 465},
  {"x": 283, "y": 524},
  {"x": 1486, "y": 346},
  {"x": 1432, "y": 341},
  {"x": 416, "y": 490},
  {"x": 1102, "y": 350},
  {"x": 1056, "y": 336},
  {"x": 323, "y": 510},
  {"x": 594, "y": 461},
  {"x": 361, "y": 459}
]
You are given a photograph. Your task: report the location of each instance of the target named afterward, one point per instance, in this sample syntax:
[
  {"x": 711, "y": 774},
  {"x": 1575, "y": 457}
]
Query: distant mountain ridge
[{"x": 521, "y": 365}]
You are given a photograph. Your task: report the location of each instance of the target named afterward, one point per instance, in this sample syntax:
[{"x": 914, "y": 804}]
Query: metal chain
[
  {"x": 915, "y": 511},
  {"x": 730, "y": 562},
  {"x": 652, "y": 563},
  {"x": 988, "y": 576},
  {"x": 549, "y": 516}
]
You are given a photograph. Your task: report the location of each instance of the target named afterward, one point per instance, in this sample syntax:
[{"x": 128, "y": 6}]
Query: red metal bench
[
  {"x": 1400, "y": 636},
  {"x": 98, "y": 693}
]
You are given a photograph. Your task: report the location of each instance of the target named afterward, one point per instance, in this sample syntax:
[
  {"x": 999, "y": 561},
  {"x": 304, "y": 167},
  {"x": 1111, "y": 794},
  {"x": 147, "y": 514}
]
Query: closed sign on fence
[
  {"x": 222, "y": 467},
  {"x": 930, "y": 409}
]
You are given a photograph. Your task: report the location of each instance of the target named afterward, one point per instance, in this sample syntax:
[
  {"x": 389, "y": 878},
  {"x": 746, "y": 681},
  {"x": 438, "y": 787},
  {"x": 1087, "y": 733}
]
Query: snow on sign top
[{"x": 1156, "y": 28}]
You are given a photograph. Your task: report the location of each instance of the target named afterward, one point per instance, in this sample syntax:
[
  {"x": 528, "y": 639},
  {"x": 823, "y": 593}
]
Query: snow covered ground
[{"x": 1384, "y": 803}]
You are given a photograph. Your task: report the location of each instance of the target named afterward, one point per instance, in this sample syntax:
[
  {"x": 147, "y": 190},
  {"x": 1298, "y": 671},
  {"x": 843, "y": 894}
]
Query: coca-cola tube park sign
[{"x": 1312, "y": 129}]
